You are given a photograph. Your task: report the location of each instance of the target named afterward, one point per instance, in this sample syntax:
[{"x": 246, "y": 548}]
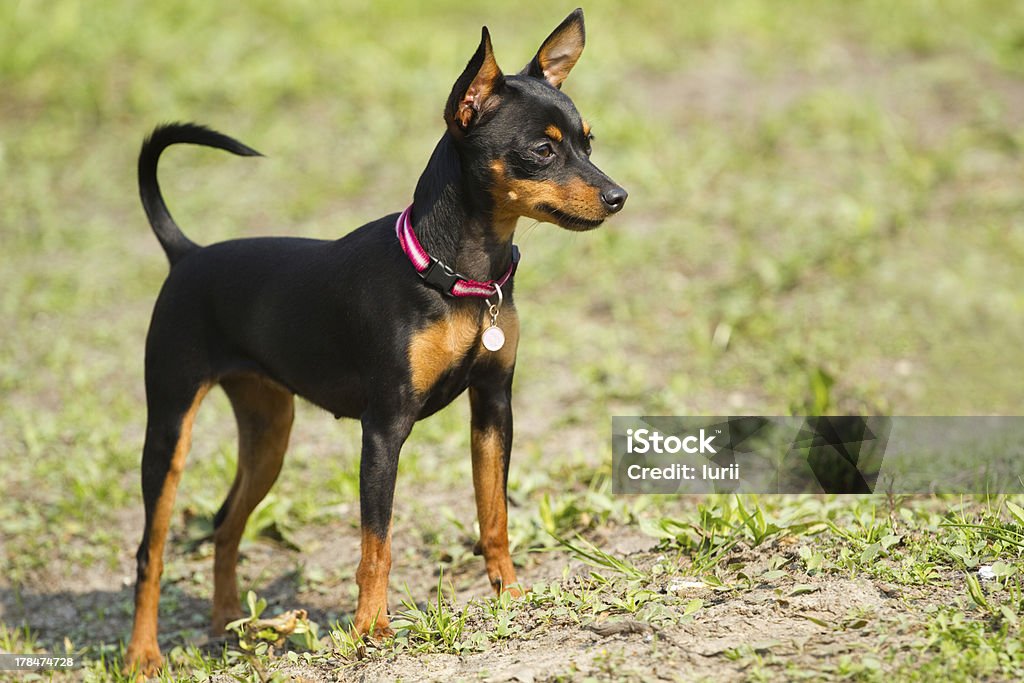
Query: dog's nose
[{"x": 614, "y": 199}]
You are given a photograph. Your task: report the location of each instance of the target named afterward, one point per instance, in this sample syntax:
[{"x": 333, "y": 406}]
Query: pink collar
[{"x": 439, "y": 275}]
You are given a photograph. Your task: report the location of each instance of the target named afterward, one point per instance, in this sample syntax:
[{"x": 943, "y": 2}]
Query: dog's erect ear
[
  {"x": 475, "y": 93},
  {"x": 559, "y": 53}
]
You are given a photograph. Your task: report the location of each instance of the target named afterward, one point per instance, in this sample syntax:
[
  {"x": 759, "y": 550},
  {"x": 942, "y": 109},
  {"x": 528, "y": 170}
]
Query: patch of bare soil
[{"x": 789, "y": 625}]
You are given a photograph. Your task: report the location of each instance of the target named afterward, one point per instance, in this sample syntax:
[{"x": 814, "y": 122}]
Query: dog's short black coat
[{"x": 350, "y": 326}]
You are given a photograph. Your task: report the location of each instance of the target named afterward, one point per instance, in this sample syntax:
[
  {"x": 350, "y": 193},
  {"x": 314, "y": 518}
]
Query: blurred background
[{"x": 826, "y": 216}]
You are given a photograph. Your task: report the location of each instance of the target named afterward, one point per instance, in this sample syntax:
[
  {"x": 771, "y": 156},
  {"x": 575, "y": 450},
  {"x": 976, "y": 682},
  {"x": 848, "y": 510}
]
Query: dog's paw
[
  {"x": 516, "y": 590},
  {"x": 142, "y": 660},
  {"x": 383, "y": 633},
  {"x": 510, "y": 587},
  {"x": 375, "y": 629}
]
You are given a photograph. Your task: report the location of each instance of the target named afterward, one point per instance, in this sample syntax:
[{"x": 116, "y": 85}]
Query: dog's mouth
[{"x": 569, "y": 221}]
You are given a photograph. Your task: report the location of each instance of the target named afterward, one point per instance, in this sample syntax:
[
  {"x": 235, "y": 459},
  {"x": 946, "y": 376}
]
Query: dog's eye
[{"x": 544, "y": 150}]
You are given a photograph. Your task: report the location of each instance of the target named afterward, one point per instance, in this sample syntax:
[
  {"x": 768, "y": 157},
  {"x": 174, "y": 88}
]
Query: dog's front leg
[
  {"x": 491, "y": 406},
  {"x": 383, "y": 437}
]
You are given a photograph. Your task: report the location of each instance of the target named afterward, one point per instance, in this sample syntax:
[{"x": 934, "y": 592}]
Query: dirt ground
[{"x": 781, "y": 624}]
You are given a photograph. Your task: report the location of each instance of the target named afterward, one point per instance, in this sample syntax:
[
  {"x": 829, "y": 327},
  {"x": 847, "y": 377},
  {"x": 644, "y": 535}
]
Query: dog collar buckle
[{"x": 440, "y": 276}]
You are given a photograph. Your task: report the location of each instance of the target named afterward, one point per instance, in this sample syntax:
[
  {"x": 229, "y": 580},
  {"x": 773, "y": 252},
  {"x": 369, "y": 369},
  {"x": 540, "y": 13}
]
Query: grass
[{"x": 825, "y": 216}]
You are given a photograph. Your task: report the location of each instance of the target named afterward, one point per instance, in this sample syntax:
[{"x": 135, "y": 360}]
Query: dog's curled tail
[{"x": 172, "y": 239}]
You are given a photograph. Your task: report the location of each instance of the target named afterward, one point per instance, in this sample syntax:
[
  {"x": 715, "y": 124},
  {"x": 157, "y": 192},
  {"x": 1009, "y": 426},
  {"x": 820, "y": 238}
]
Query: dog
[{"x": 387, "y": 325}]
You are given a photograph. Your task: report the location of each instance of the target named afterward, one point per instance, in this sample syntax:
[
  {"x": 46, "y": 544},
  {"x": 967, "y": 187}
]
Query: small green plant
[
  {"x": 17, "y": 639},
  {"x": 595, "y": 557},
  {"x": 501, "y": 611},
  {"x": 723, "y": 523},
  {"x": 437, "y": 627}
]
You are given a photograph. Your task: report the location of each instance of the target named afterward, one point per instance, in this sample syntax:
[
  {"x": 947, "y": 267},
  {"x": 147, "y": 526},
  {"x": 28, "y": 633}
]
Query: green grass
[{"x": 825, "y": 215}]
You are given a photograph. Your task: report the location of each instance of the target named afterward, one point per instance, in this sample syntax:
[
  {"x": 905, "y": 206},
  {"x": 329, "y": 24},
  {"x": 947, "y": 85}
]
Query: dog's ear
[
  {"x": 476, "y": 91},
  {"x": 560, "y": 52}
]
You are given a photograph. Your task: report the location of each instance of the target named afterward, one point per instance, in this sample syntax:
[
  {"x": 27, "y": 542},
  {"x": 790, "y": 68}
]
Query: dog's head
[{"x": 522, "y": 138}]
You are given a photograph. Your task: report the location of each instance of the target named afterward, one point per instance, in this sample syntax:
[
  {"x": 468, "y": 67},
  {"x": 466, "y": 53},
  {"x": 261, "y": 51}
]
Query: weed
[{"x": 438, "y": 627}]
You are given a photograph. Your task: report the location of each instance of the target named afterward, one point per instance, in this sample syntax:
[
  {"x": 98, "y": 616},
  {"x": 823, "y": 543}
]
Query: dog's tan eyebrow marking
[
  {"x": 553, "y": 132},
  {"x": 586, "y": 129}
]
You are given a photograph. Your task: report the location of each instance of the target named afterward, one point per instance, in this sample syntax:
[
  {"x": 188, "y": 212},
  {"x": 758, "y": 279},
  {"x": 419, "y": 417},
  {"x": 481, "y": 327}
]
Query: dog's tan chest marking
[
  {"x": 440, "y": 345},
  {"x": 443, "y": 344}
]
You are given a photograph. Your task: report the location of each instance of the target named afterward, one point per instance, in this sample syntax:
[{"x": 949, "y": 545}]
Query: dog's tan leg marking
[
  {"x": 372, "y": 577},
  {"x": 492, "y": 510},
  {"x": 264, "y": 412},
  {"x": 143, "y": 652}
]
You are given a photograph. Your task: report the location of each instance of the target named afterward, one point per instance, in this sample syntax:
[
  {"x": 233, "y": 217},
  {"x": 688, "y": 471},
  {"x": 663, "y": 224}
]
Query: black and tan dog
[{"x": 387, "y": 325}]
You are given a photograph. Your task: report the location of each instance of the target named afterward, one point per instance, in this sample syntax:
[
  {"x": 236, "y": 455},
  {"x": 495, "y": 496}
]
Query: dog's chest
[
  {"x": 443, "y": 353},
  {"x": 443, "y": 348}
]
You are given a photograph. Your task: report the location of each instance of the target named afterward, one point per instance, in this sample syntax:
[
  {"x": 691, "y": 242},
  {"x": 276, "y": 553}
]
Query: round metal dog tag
[{"x": 493, "y": 338}]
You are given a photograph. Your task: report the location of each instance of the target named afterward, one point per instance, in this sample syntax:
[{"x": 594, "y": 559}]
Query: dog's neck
[{"x": 453, "y": 222}]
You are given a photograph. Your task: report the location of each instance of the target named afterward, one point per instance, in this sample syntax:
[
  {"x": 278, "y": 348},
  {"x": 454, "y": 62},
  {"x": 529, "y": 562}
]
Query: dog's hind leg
[
  {"x": 264, "y": 412},
  {"x": 168, "y": 437}
]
